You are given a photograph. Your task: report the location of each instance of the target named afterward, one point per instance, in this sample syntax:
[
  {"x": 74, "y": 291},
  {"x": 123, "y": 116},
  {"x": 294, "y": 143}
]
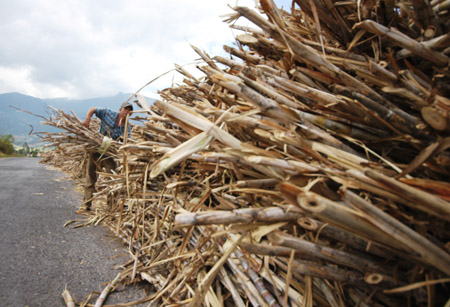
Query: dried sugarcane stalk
[
  {"x": 257, "y": 280},
  {"x": 444, "y": 5},
  {"x": 429, "y": 252},
  {"x": 440, "y": 42},
  {"x": 307, "y": 268},
  {"x": 351, "y": 240},
  {"x": 422, "y": 200},
  {"x": 313, "y": 250},
  {"x": 68, "y": 298},
  {"x": 338, "y": 215},
  {"x": 244, "y": 215},
  {"x": 251, "y": 291},
  {"x": 436, "y": 118},
  {"x": 404, "y": 41},
  {"x": 101, "y": 299},
  {"x": 327, "y": 272},
  {"x": 229, "y": 284},
  {"x": 206, "y": 282}
]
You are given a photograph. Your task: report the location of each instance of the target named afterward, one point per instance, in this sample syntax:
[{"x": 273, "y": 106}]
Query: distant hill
[{"x": 19, "y": 124}]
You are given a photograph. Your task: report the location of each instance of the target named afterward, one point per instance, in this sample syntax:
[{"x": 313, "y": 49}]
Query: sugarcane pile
[{"x": 309, "y": 167}]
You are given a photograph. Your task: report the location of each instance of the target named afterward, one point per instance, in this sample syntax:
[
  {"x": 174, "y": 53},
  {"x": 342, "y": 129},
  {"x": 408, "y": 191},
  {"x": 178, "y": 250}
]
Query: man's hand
[
  {"x": 89, "y": 114},
  {"x": 86, "y": 122}
]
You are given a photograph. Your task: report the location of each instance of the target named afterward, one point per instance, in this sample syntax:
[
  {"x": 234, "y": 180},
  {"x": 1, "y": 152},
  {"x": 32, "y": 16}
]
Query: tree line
[{"x": 7, "y": 147}]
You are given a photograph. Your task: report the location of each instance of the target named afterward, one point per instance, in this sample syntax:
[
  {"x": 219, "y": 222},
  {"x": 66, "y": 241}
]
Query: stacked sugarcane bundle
[
  {"x": 72, "y": 145},
  {"x": 310, "y": 167}
]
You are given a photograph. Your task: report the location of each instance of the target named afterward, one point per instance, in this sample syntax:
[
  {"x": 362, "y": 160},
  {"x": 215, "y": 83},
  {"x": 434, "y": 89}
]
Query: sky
[{"x": 83, "y": 49}]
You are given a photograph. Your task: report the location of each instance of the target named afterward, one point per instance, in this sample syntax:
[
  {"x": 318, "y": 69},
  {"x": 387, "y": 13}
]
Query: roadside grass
[{"x": 3, "y": 155}]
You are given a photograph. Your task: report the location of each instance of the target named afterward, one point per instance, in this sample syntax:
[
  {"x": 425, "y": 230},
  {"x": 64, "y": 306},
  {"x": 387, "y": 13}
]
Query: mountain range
[{"x": 20, "y": 124}]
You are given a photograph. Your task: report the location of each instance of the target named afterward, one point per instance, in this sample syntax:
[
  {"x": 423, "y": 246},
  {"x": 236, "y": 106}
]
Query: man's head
[
  {"x": 125, "y": 108},
  {"x": 127, "y": 105}
]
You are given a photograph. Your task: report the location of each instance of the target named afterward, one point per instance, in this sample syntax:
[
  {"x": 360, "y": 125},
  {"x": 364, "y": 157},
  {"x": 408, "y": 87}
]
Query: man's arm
[{"x": 89, "y": 114}]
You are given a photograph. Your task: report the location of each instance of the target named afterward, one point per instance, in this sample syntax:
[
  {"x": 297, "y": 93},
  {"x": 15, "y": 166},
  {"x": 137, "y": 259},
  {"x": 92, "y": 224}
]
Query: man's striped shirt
[{"x": 108, "y": 125}]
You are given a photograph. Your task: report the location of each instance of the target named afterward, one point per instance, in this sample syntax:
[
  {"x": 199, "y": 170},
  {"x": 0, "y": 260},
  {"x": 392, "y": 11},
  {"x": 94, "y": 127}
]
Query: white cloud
[
  {"x": 83, "y": 49},
  {"x": 19, "y": 79}
]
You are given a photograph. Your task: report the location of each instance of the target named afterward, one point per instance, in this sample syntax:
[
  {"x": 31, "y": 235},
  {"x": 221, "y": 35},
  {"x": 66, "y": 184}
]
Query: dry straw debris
[{"x": 310, "y": 167}]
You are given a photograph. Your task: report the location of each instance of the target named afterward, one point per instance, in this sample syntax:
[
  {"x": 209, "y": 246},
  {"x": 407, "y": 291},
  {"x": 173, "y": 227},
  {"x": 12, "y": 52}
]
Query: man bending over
[{"x": 112, "y": 125}]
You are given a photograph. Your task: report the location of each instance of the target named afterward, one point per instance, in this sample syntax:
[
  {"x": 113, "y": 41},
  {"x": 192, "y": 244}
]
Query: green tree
[
  {"x": 35, "y": 152},
  {"x": 26, "y": 147},
  {"x": 6, "y": 144}
]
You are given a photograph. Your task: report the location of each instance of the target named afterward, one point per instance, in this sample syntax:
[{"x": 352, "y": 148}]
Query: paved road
[{"x": 39, "y": 256}]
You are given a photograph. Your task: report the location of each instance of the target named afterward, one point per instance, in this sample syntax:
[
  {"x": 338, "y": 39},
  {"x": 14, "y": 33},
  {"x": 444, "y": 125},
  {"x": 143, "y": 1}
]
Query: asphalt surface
[{"x": 38, "y": 255}]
